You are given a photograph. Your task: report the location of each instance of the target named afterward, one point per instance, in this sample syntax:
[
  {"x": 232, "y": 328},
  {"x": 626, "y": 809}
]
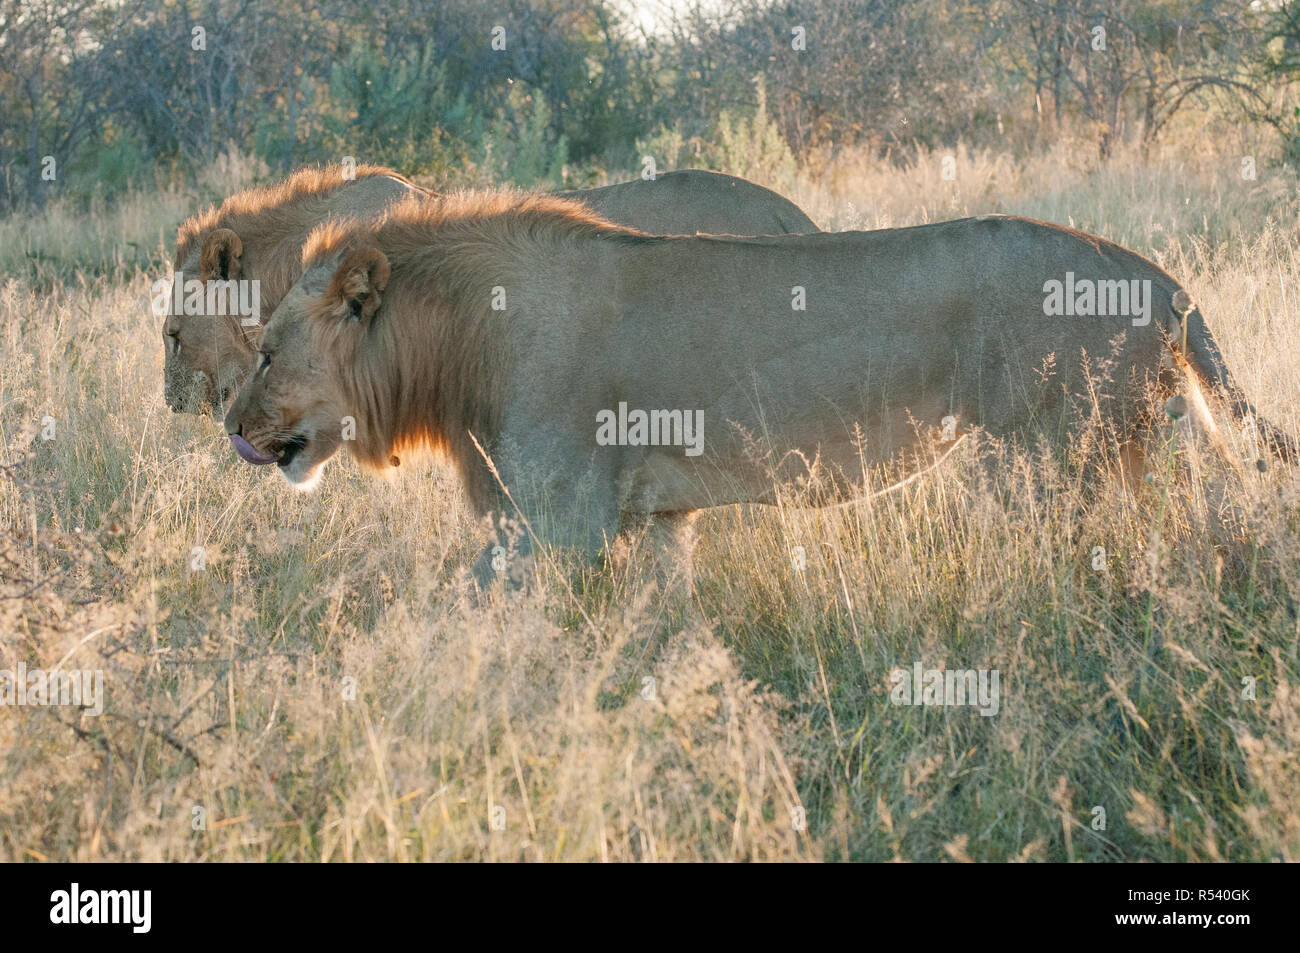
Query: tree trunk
[{"x": 35, "y": 187}]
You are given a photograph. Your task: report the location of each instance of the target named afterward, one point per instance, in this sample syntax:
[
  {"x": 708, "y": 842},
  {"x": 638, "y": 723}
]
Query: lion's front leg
[
  {"x": 662, "y": 545},
  {"x": 507, "y": 559},
  {"x": 549, "y": 503}
]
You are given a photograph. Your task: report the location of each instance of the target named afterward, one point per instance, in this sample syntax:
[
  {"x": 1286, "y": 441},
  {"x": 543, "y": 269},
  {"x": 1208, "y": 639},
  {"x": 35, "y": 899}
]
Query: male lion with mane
[
  {"x": 258, "y": 235},
  {"x": 526, "y": 325}
]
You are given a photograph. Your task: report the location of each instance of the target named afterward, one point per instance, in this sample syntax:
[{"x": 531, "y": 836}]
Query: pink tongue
[{"x": 246, "y": 451}]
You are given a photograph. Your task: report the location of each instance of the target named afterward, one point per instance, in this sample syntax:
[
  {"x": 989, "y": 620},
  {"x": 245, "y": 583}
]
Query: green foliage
[
  {"x": 521, "y": 146},
  {"x": 752, "y": 146},
  {"x": 400, "y": 111},
  {"x": 741, "y": 142},
  {"x": 417, "y": 85},
  {"x": 118, "y": 164},
  {"x": 1277, "y": 63}
]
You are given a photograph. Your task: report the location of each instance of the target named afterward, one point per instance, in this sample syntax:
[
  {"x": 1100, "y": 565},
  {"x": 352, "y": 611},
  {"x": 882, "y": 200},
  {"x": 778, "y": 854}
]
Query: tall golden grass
[{"x": 320, "y": 690}]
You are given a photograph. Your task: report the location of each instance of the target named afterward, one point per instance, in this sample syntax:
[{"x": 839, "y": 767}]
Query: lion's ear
[
  {"x": 357, "y": 288},
  {"x": 221, "y": 257}
]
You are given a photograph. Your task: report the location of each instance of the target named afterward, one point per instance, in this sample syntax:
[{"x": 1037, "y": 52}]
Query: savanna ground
[{"x": 527, "y": 729}]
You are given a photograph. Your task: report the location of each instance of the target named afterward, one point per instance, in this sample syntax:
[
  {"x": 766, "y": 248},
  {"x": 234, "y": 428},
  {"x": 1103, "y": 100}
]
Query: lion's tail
[{"x": 1193, "y": 342}]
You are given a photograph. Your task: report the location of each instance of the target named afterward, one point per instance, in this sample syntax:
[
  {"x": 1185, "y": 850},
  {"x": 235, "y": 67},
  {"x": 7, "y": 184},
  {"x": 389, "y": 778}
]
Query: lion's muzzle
[{"x": 250, "y": 454}]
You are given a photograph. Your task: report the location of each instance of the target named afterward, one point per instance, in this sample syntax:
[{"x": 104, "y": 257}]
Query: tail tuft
[{"x": 1195, "y": 345}]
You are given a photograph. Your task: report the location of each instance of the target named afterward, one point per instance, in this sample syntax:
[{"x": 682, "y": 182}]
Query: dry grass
[{"x": 320, "y": 691}]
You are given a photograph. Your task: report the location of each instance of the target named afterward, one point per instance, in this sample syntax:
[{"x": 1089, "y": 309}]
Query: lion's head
[
  {"x": 206, "y": 354},
  {"x": 294, "y": 410}
]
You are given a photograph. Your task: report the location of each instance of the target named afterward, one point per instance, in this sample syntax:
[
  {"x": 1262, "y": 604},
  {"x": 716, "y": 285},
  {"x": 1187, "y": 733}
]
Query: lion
[
  {"x": 584, "y": 377},
  {"x": 257, "y": 236}
]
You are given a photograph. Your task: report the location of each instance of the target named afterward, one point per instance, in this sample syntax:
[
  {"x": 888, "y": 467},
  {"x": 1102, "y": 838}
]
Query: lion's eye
[
  {"x": 174, "y": 342},
  {"x": 265, "y": 361}
]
